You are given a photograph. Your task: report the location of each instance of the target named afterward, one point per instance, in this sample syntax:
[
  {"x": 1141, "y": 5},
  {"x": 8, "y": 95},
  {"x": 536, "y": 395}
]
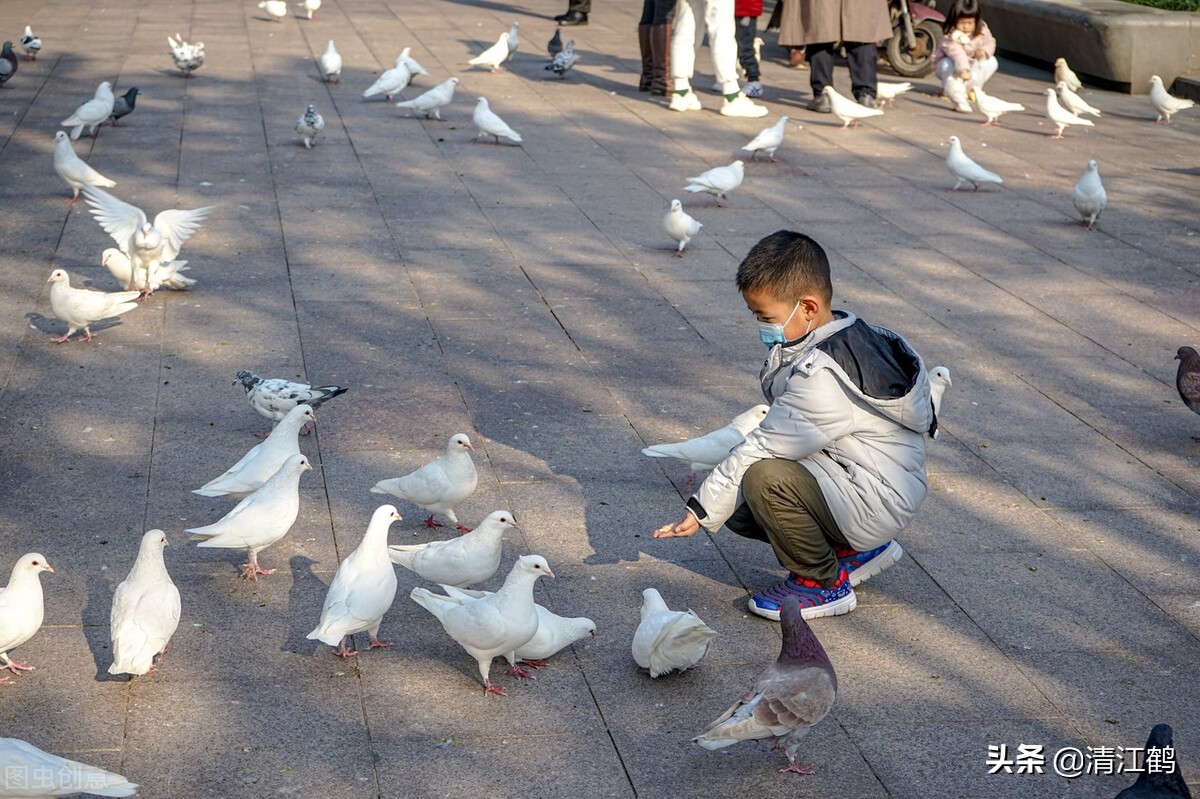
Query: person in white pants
[{"x": 722, "y": 42}]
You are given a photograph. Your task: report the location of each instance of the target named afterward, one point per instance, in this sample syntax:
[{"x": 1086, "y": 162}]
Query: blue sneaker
[
  {"x": 863, "y": 565},
  {"x": 815, "y": 600}
]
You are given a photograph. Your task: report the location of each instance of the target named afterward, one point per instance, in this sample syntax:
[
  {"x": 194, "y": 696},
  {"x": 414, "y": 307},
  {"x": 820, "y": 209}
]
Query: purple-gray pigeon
[
  {"x": 1187, "y": 379},
  {"x": 792, "y": 695},
  {"x": 1158, "y": 784}
]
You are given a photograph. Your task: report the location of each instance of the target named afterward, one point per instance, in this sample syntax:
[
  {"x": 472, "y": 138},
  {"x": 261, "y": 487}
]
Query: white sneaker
[
  {"x": 741, "y": 106},
  {"x": 752, "y": 89},
  {"x": 687, "y": 102}
]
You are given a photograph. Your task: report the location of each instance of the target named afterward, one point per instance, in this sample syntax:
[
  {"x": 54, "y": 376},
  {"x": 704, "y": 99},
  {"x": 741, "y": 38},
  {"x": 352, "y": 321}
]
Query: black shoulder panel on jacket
[{"x": 881, "y": 366}]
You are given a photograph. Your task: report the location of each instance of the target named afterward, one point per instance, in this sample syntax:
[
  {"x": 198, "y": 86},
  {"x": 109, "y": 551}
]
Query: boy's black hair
[
  {"x": 787, "y": 265},
  {"x": 963, "y": 9}
]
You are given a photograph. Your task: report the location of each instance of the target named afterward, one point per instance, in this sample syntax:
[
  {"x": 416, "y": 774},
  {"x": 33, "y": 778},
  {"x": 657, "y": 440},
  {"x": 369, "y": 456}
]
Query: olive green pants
[{"x": 784, "y": 506}]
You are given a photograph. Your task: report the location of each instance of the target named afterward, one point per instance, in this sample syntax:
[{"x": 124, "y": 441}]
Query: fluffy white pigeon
[
  {"x": 1164, "y": 103},
  {"x": 260, "y": 519},
  {"x": 720, "y": 181},
  {"x": 1089, "y": 195},
  {"x": 263, "y": 460},
  {"x": 92, "y": 113},
  {"x": 392, "y": 81},
  {"x": 432, "y": 101},
  {"x": 767, "y": 140},
  {"x": 188, "y": 57},
  {"x": 668, "y": 640},
  {"x": 1073, "y": 102},
  {"x": 21, "y": 609},
  {"x": 680, "y": 226},
  {"x": 362, "y": 590},
  {"x": 561, "y": 64},
  {"x": 309, "y": 125},
  {"x": 888, "y": 92},
  {"x": 939, "y": 381},
  {"x": 460, "y": 562},
  {"x": 276, "y": 9},
  {"x": 414, "y": 66},
  {"x": 706, "y": 451},
  {"x": 167, "y": 276},
  {"x": 330, "y": 64},
  {"x": 31, "y": 45},
  {"x": 965, "y": 170},
  {"x": 274, "y": 397},
  {"x": 145, "y": 610},
  {"x": 993, "y": 107},
  {"x": 494, "y": 56},
  {"x": 499, "y": 624},
  {"x": 51, "y": 775},
  {"x": 788, "y": 698},
  {"x": 309, "y": 7},
  {"x": 74, "y": 171},
  {"x": 1064, "y": 74},
  {"x": 847, "y": 110},
  {"x": 440, "y": 484},
  {"x": 514, "y": 39},
  {"x": 81, "y": 308},
  {"x": 147, "y": 245},
  {"x": 1061, "y": 117},
  {"x": 489, "y": 124},
  {"x": 554, "y": 633}
]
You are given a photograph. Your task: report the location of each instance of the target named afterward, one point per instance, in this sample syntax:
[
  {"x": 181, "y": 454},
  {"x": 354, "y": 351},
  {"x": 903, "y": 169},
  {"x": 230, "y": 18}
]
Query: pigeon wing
[
  {"x": 177, "y": 226},
  {"x": 118, "y": 218}
]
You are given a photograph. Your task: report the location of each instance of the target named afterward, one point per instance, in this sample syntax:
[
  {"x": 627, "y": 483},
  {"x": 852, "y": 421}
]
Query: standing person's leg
[
  {"x": 685, "y": 38},
  {"x": 660, "y": 47},
  {"x": 644, "y": 25},
  {"x": 862, "y": 58},
  {"x": 722, "y": 44},
  {"x": 747, "y": 29},
  {"x": 820, "y": 75},
  {"x": 577, "y": 12}
]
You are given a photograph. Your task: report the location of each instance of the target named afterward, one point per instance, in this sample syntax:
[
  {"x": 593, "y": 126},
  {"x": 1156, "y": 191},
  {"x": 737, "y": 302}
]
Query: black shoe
[
  {"x": 820, "y": 104},
  {"x": 866, "y": 100},
  {"x": 561, "y": 17},
  {"x": 574, "y": 18}
]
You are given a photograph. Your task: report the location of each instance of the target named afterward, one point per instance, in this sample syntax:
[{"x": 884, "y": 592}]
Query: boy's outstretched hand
[{"x": 681, "y": 529}]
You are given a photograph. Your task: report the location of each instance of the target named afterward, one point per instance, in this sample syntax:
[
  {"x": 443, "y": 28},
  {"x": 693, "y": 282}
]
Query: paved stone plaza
[{"x": 527, "y": 296}]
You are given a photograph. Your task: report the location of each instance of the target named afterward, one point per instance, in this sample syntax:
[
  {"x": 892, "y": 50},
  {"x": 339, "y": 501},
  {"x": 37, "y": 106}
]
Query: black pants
[
  {"x": 747, "y": 29},
  {"x": 654, "y": 12},
  {"x": 860, "y": 57},
  {"x": 582, "y": 6}
]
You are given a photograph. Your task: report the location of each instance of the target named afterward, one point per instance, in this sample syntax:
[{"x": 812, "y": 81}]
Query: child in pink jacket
[{"x": 966, "y": 56}]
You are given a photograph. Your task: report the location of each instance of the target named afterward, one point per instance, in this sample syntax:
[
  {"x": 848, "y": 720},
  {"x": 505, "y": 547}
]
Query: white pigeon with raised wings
[
  {"x": 145, "y": 610},
  {"x": 51, "y": 775},
  {"x": 462, "y": 561},
  {"x": 440, "y": 484},
  {"x": 263, "y": 461},
  {"x": 669, "y": 640}
]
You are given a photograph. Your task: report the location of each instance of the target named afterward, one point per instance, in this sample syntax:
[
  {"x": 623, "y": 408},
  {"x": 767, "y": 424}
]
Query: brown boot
[
  {"x": 647, "y": 57},
  {"x": 660, "y": 68}
]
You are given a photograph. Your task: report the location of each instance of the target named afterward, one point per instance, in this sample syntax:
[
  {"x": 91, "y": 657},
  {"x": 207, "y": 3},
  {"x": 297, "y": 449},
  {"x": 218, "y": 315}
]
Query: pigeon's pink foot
[
  {"x": 462, "y": 528},
  {"x": 806, "y": 769},
  {"x": 430, "y": 523},
  {"x": 377, "y": 644},
  {"x": 16, "y": 667},
  {"x": 343, "y": 652},
  {"x": 6, "y": 680},
  {"x": 516, "y": 671},
  {"x": 495, "y": 690},
  {"x": 690, "y": 482},
  {"x": 251, "y": 570},
  {"x": 73, "y": 199},
  {"x": 62, "y": 338},
  {"x": 677, "y": 254},
  {"x": 262, "y": 436},
  {"x": 1059, "y": 136},
  {"x": 535, "y": 664}
]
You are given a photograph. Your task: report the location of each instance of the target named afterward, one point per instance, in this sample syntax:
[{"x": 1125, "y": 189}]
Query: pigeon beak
[
  {"x": 471, "y": 447},
  {"x": 592, "y": 633},
  {"x": 548, "y": 572},
  {"x": 397, "y": 517},
  {"x": 50, "y": 568},
  {"x": 949, "y": 382},
  {"x": 234, "y": 383}
]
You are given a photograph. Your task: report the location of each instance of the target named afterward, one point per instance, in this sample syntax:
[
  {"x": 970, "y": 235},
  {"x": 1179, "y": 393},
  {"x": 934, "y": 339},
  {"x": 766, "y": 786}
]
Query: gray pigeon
[
  {"x": 1187, "y": 379},
  {"x": 273, "y": 398},
  {"x": 563, "y": 62},
  {"x": 8, "y": 63},
  {"x": 123, "y": 105},
  {"x": 1157, "y": 784},
  {"x": 554, "y": 46},
  {"x": 790, "y": 697}
]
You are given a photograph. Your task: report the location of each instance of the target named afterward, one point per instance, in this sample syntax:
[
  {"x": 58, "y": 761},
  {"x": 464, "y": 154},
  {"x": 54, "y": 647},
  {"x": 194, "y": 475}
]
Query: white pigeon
[
  {"x": 92, "y": 113},
  {"x": 74, "y": 171},
  {"x": 719, "y": 181},
  {"x": 499, "y": 624},
  {"x": 188, "y": 57},
  {"x": 309, "y": 125},
  {"x": 1089, "y": 195},
  {"x": 1073, "y": 102},
  {"x": 1061, "y": 117},
  {"x": 274, "y": 397},
  {"x": 330, "y": 64},
  {"x": 309, "y": 7},
  {"x": 966, "y": 170},
  {"x": 263, "y": 460},
  {"x": 563, "y": 61},
  {"x": 147, "y": 245},
  {"x": 514, "y": 40},
  {"x": 167, "y": 276},
  {"x": 145, "y": 610},
  {"x": 669, "y": 640},
  {"x": 1164, "y": 103},
  {"x": 847, "y": 110},
  {"x": 414, "y": 66},
  {"x": 440, "y": 484},
  {"x": 888, "y": 92},
  {"x": 1064, "y": 74},
  {"x": 276, "y": 9},
  {"x": 460, "y": 562},
  {"x": 21, "y": 610},
  {"x": 81, "y": 308},
  {"x": 260, "y": 519},
  {"x": 767, "y": 140},
  {"x": 680, "y": 226},
  {"x": 554, "y": 633},
  {"x": 392, "y": 81},
  {"x": 362, "y": 590},
  {"x": 490, "y": 124},
  {"x": 51, "y": 775},
  {"x": 939, "y": 381},
  {"x": 494, "y": 56},
  {"x": 31, "y": 45},
  {"x": 432, "y": 101},
  {"x": 993, "y": 107},
  {"x": 705, "y": 452}
]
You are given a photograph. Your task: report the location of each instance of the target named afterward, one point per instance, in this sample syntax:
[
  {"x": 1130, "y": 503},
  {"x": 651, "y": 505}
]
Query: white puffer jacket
[{"x": 850, "y": 402}]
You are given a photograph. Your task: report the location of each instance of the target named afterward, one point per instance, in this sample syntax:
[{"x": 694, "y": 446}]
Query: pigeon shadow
[
  {"x": 99, "y": 603},
  {"x": 1195, "y": 170},
  {"x": 44, "y": 324},
  {"x": 301, "y": 618}
]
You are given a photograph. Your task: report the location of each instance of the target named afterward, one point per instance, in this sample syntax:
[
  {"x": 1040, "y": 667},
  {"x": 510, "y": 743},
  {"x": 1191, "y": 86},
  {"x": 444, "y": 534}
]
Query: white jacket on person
[{"x": 850, "y": 402}]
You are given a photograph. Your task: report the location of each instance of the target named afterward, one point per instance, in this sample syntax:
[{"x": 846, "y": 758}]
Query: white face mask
[{"x": 771, "y": 333}]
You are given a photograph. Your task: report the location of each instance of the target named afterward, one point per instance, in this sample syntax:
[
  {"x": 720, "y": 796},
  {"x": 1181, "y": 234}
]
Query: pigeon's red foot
[
  {"x": 462, "y": 528},
  {"x": 343, "y": 652},
  {"x": 690, "y": 482},
  {"x": 62, "y": 338},
  {"x": 533, "y": 663},
  {"x": 430, "y": 523},
  {"x": 6, "y": 680},
  {"x": 515, "y": 670},
  {"x": 16, "y": 667},
  {"x": 377, "y": 644},
  {"x": 251, "y": 570},
  {"x": 262, "y": 436},
  {"x": 806, "y": 769},
  {"x": 495, "y": 690},
  {"x": 677, "y": 254}
]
